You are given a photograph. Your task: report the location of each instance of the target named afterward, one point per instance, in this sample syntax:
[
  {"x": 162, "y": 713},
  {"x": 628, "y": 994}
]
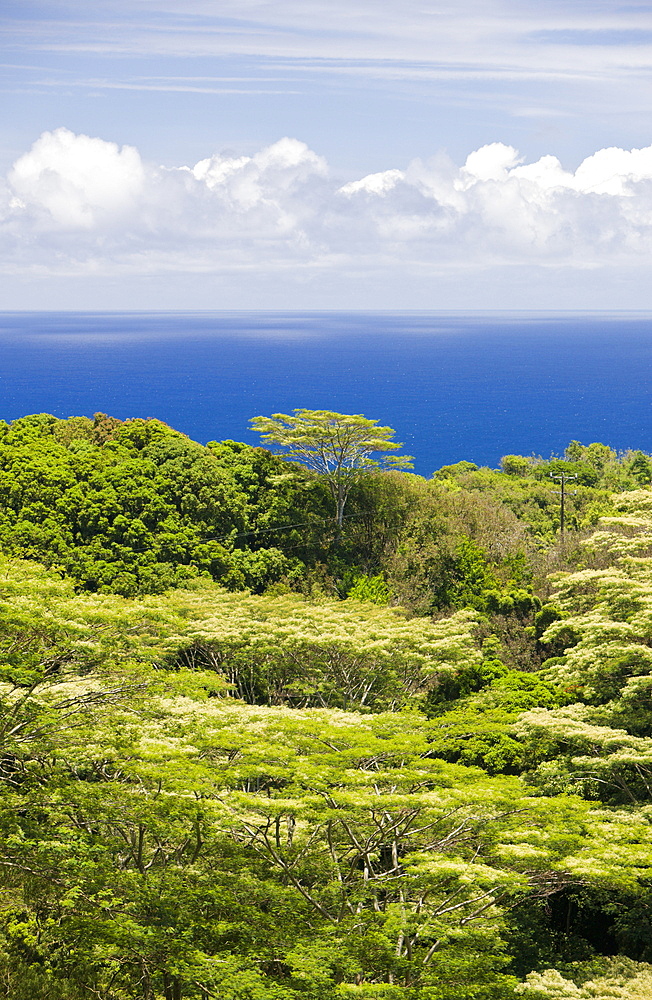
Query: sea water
[{"x": 453, "y": 386}]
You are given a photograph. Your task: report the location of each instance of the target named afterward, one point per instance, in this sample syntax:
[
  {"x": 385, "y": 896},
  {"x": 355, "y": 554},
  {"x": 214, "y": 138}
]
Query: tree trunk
[
  {"x": 171, "y": 987},
  {"x": 146, "y": 982}
]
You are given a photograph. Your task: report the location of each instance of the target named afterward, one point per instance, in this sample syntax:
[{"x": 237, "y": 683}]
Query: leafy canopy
[{"x": 338, "y": 446}]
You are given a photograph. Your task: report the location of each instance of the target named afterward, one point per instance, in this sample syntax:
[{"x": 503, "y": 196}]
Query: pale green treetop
[{"x": 338, "y": 446}]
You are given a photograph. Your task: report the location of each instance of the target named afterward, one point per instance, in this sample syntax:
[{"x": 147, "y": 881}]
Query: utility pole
[{"x": 562, "y": 493}]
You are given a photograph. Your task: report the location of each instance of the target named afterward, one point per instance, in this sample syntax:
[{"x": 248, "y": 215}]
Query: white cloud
[
  {"x": 489, "y": 163},
  {"x": 381, "y": 183},
  {"x": 614, "y": 171},
  {"x": 75, "y": 204},
  {"x": 76, "y": 181},
  {"x": 248, "y": 180}
]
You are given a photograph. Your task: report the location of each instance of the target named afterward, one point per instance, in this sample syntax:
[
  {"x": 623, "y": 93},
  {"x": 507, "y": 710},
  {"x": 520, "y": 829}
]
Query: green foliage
[
  {"x": 620, "y": 979},
  {"x": 337, "y": 446},
  {"x": 281, "y": 650},
  {"x": 548, "y": 614},
  {"x": 136, "y": 507},
  {"x": 516, "y": 465},
  {"x": 370, "y": 588},
  {"x": 157, "y": 837},
  {"x": 526, "y": 486},
  {"x": 408, "y": 760}
]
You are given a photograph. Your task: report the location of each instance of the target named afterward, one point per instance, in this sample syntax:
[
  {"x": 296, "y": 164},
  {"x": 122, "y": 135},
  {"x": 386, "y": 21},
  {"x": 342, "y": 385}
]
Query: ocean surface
[{"x": 474, "y": 386}]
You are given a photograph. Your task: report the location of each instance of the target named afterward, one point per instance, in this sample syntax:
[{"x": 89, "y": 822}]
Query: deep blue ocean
[{"x": 453, "y": 386}]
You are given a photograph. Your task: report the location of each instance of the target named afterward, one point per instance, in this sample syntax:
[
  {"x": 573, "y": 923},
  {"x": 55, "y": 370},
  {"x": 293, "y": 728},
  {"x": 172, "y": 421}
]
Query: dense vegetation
[{"x": 248, "y": 754}]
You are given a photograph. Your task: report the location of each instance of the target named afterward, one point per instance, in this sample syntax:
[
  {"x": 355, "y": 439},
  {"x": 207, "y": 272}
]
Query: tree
[{"x": 338, "y": 446}]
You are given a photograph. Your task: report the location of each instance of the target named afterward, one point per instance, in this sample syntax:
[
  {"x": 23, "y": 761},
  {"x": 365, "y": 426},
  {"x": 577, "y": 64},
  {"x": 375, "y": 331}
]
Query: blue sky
[{"x": 336, "y": 154}]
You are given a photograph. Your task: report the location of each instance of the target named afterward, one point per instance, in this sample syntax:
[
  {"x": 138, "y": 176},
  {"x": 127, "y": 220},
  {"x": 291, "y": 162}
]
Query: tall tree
[{"x": 338, "y": 446}]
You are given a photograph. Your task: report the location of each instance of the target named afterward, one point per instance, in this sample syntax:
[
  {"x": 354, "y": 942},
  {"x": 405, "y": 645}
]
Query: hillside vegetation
[{"x": 248, "y": 755}]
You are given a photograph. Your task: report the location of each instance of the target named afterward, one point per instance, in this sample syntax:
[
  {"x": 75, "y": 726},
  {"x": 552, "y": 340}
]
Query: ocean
[{"x": 453, "y": 386}]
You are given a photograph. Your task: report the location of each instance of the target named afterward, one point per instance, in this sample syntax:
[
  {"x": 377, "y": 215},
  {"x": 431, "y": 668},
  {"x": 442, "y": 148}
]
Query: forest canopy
[{"x": 248, "y": 753}]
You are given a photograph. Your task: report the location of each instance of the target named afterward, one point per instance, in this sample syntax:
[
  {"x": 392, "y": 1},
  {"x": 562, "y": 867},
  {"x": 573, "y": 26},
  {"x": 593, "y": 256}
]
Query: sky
[{"x": 325, "y": 154}]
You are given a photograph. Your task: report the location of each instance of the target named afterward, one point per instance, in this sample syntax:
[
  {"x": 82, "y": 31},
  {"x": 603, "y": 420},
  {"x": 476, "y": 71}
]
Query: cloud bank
[{"x": 74, "y": 204}]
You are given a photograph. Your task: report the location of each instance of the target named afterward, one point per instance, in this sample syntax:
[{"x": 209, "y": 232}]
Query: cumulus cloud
[
  {"x": 76, "y": 181},
  {"x": 75, "y": 203},
  {"x": 381, "y": 183}
]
